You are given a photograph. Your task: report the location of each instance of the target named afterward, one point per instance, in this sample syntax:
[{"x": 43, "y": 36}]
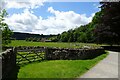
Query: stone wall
[
  {"x": 30, "y": 48},
  {"x": 74, "y": 54},
  {"x": 9, "y": 56},
  {"x": 8, "y": 62}
]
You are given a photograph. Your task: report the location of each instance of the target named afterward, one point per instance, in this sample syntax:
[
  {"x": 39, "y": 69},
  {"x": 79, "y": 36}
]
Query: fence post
[
  {"x": 14, "y": 53},
  {"x": 0, "y": 54},
  {"x": 0, "y": 67},
  {"x": 46, "y": 53}
]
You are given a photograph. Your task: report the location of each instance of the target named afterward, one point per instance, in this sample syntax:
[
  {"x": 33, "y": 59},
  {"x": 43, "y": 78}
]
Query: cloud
[
  {"x": 23, "y": 4},
  {"x": 61, "y": 21},
  {"x": 22, "y": 22}
]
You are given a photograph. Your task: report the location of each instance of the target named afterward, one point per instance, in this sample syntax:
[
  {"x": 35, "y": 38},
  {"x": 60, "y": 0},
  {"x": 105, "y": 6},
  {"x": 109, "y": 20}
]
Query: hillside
[{"x": 23, "y": 36}]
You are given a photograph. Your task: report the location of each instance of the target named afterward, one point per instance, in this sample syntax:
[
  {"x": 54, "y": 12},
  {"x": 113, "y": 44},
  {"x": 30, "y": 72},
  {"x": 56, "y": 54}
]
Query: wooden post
[
  {"x": 0, "y": 67},
  {"x": 46, "y": 53},
  {"x": 15, "y": 55}
]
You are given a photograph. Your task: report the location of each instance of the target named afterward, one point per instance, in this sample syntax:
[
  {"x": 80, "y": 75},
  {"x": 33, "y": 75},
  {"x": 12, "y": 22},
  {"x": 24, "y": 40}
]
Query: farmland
[
  {"x": 50, "y": 44},
  {"x": 56, "y": 68}
]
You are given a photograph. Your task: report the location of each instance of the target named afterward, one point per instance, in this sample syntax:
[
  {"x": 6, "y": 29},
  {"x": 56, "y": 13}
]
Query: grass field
[
  {"x": 58, "y": 68},
  {"x": 50, "y": 44}
]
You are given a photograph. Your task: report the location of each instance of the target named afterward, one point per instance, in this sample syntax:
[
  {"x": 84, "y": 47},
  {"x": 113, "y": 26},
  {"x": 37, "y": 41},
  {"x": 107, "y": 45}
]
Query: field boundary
[
  {"x": 8, "y": 61},
  {"x": 72, "y": 54},
  {"x": 10, "y": 56}
]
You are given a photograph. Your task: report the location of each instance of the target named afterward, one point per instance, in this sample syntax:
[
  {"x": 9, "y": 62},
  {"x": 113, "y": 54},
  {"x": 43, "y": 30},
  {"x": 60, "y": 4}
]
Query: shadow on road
[{"x": 112, "y": 48}]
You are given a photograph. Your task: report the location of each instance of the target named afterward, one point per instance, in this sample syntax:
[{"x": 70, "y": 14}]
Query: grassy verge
[{"x": 58, "y": 68}]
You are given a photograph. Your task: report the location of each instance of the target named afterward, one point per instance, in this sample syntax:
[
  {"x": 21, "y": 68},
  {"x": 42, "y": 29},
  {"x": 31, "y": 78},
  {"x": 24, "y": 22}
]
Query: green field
[
  {"x": 50, "y": 44},
  {"x": 58, "y": 68}
]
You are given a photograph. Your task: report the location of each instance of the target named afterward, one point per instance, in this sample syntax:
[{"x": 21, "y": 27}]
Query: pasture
[
  {"x": 56, "y": 68},
  {"x": 51, "y": 44}
]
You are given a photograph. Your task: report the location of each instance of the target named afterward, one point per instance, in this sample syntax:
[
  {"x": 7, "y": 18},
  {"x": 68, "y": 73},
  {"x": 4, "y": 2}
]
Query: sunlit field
[
  {"x": 58, "y": 68},
  {"x": 51, "y": 44}
]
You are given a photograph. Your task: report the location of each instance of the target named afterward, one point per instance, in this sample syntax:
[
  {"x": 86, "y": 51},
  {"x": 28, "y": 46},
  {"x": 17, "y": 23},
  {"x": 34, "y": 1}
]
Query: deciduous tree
[{"x": 6, "y": 32}]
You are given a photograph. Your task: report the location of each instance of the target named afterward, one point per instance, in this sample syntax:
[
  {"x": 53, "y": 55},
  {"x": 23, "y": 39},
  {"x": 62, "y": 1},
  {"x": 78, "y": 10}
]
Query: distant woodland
[{"x": 30, "y": 37}]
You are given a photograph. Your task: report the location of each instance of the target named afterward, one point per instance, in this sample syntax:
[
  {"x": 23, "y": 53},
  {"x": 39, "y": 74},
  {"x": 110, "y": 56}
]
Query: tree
[
  {"x": 54, "y": 39},
  {"x": 83, "y": 33},
  {"x": 104, "y": 27},
  {"x": 92, "y": 33},
  {"x": 70, "y": 35},
  {"x": 64, "y": 37},
  {"x": 6, "y": 32},
  {"x": 108, "y": 30}
]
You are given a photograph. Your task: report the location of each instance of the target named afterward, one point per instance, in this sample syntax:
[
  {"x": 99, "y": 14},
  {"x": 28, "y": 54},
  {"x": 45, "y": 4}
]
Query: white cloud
[
  {"x": 22, "y": 22},
  {"x": 61, "y": 21},
  {"x": 23, "y": 4}
]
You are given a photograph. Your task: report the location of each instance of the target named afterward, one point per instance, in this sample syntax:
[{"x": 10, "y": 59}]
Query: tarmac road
[{"x": 107, "y": 68}]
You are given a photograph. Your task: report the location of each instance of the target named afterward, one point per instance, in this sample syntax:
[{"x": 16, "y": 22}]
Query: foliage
[
  {"x": 83, "y": 34},
  {"x": 6, "y": 32},
  {"x": 104, "y": 27},
  {"x": 33, "y": 39},
  {"x": 107, "y": 28},
  {"x": 53, "y": 39}
]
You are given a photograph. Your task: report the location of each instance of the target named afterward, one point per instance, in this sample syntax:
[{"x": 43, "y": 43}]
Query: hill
[{"x": 23, "y": 36}]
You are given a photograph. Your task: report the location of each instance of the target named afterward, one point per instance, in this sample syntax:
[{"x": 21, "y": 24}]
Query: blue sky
[
  {"x": 49, "y": 17},
  {"x": 79, "y": 7}
]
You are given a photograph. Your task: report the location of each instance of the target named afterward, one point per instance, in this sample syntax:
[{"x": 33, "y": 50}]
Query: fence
[{"x": 30, "y": 54}]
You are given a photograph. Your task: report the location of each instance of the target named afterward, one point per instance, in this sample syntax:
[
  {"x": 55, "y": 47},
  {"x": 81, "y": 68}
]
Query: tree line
[{"x": 104, "y": 27}]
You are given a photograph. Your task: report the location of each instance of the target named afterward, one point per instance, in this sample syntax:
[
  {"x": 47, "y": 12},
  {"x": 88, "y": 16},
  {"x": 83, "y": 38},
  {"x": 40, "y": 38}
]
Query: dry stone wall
[
  {"x": 9, "y": 56},
  {"x": 8, "y": 62},
  {"x": 74, "y": 54}
]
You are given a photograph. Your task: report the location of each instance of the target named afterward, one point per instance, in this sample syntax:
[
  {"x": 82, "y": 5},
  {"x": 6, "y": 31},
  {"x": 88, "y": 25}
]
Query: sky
[{"x": 41, "y": 17}]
